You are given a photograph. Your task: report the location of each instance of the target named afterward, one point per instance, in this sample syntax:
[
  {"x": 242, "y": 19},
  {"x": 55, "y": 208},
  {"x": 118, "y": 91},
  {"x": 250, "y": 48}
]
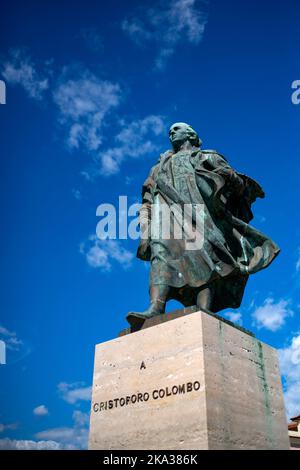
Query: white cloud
[
  {"x": 14, "y": 444},
  {"x": 61, "y": 434},
  {"x": 67, "y": 438},
  {"x": 41, "y": 410},
  {"x": 20, "y": 70},
  {"x": 5, "y": 427},
  {"x": 235, "y": 317},
  {"x": 74, "y": 392},
  {"x": 271, "y": 315},
  {"x": 5, "y": 332},
  {"x": 101, "y": 253},
  {"x": 84, "y": 104},
  {"x": 290, "y": 369},
  {"x": 10, "y": 338},
  {"x": 136, "y": 139},
  {"x": 166, "y": 24},
  {"x": 75, "y": 437}
]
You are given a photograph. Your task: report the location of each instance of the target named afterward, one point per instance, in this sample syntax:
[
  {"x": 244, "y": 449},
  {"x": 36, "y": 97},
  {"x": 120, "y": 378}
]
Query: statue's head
[{"x": 180, "y": 132}]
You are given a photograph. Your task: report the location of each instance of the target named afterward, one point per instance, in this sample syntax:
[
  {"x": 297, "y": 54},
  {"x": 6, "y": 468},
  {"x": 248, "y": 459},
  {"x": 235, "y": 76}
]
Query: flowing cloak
[{"x": 230, "y": 250}]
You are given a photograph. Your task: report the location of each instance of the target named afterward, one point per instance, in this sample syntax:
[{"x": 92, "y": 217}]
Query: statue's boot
[
  {"x": 204, "y": 300},
  {"x": 158, "y": 295},
  {"x": 136, "y": 319}
]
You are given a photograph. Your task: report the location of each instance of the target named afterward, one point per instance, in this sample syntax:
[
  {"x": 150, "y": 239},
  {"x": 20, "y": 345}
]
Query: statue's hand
[{"x": 143, "y": 251}]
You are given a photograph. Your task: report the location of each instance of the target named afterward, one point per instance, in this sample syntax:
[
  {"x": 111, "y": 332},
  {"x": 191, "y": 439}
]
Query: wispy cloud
[
  {"x": 8, "y": 427},
  {"x": 102, "y": 253},
  {"x": 135, "y": 139},
  {"x": 19, "y": 69},
  {"x": 74, "y": 392},
  {"x": 10, "y": 338},
  {"x": 272, "y": 315},
  {"x": 83, "y": 105},
  {"x": 16, "y": 348},
  {"x": 290, "y": 368},
  {"x": 40, "y": 410},
  {"x": 165, "y": 24}
]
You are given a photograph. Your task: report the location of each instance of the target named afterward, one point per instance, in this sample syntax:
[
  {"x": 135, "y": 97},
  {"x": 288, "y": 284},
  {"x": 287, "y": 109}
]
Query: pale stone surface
[{"x": 239, "y": 404}]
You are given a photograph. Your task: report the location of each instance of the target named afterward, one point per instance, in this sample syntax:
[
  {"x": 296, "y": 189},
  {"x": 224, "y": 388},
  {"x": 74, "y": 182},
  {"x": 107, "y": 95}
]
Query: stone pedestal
[{"x": 195, "y": 382}]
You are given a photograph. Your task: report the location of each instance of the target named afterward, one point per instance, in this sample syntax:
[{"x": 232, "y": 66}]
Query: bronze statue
[{"x": 213, "y": 276}]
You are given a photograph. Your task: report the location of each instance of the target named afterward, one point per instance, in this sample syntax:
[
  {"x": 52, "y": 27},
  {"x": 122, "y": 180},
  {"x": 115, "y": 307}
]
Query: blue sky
[{"x": 91, "y": 89}]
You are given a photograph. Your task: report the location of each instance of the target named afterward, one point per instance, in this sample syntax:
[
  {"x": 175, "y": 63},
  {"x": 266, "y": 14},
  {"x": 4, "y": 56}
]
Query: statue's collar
[{"x": 192, "y": 151}]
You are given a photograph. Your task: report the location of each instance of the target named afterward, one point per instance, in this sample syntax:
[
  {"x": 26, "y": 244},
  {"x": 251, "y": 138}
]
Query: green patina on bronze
[
  {"x": 262, "y": 379},
  {"x": 226, "y": 413},
  {"x": 212, "y": 277}
]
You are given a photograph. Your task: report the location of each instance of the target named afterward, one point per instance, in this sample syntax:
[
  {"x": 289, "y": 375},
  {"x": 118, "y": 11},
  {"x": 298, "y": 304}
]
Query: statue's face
[{"x": 180, "y": 132}]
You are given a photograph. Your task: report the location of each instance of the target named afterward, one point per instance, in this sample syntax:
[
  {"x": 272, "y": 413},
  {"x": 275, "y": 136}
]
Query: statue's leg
[
  {"x": 158, "y": 298},
  {"x": 205, "y": 299}
]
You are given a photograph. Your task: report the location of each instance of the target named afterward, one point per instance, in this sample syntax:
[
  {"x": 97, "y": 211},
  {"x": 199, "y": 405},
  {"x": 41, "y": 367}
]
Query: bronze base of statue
[{"x": 137, "y": 319}]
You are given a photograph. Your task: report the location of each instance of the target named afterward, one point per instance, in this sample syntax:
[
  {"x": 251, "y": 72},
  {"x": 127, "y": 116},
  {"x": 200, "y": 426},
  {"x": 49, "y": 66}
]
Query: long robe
[{"x": 231, "y": 249}]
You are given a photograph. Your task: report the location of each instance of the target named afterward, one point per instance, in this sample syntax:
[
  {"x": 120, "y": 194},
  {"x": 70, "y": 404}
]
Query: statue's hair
[{"x": 193, "y": 137}]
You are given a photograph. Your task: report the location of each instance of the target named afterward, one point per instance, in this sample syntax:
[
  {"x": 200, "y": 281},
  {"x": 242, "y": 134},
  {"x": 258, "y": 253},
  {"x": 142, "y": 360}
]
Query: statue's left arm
[
  {"x": 232, "y": 178},
  {"x": 241, "y": 190}
]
